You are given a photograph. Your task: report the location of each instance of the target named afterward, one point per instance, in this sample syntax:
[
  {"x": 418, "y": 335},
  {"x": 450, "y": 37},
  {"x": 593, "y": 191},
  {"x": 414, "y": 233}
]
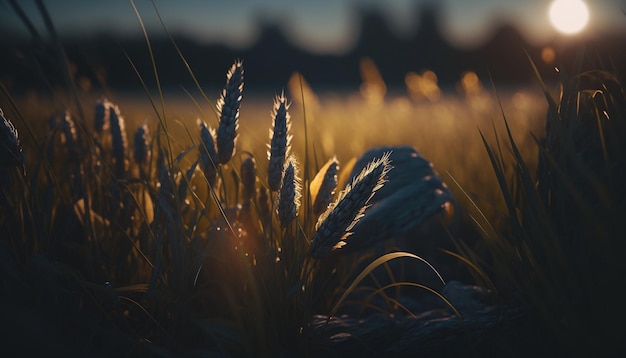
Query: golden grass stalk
[
  {"x": 228, "y": 108},
  {"x": 335, "y": 224}
]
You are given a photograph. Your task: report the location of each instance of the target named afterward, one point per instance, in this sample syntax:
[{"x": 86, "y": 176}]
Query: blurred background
[{"x": 330, "y": 42}]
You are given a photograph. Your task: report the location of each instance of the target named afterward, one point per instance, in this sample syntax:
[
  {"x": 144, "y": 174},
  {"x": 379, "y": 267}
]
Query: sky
[{"x": 321, "y": 26}]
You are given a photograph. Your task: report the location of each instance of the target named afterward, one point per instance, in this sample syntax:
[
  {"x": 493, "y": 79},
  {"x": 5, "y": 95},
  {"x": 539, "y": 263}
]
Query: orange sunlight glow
[{"x": 568, "y": 16}]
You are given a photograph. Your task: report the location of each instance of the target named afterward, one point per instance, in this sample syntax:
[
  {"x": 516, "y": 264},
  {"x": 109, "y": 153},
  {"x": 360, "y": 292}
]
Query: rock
[
  {"x": 412, "y": 195},
  {"x": 409, "y": 213},
  {"x": 433, "y": 332}
]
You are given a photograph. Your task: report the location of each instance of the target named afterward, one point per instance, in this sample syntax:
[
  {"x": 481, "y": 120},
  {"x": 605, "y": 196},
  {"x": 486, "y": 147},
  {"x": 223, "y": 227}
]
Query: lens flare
[{"x": 569, "y": 16}]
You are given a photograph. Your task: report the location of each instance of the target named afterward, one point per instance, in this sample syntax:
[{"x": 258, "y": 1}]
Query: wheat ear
[
  {"x": 10, "y": 147},
  {"x": 228, "y": 108},
  {"x": 141, "y": 145},
  {"x": 280, "y": 142},
  {"x": 118, "y": 140},
  {"x": 69, "y": 137},
  {"x": 101, "y": 120},
  {"x": 288, "y": 199},
  {"x": 208, "y": 152}
]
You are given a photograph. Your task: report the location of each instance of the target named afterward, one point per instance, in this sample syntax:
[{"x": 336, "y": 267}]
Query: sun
[{"x": 569, "y": 16}]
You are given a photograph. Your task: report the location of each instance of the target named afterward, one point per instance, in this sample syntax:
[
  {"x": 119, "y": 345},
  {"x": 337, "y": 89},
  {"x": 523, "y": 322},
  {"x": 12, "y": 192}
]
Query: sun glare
[{"x": 569, "y": 16}]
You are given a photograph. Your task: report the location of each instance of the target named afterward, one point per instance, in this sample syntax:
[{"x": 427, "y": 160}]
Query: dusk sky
[{"x": 323, "y": 26}]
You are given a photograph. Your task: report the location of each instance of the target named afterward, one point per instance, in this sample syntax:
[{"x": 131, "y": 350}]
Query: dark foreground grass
[
  {"x": 182, "y": 245},
  {"x": 559, "y": 253}
]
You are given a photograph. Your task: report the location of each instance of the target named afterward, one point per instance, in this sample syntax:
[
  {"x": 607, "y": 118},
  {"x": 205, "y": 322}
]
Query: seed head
[
  {"x": 119, "y": 141},
  {"x": 101, "y": 119},
  {"x": 335, "y": 224},
  {"x": 280, "y": 142},
  {"x": 10, "y": 147},
  {"x": 289, "y": 194},
  {"x": 142, "y": 152},
  {"x": 69, "y": 137},
  {"x": 228, "y": 108},
  {"x": 248, "y": 177}
]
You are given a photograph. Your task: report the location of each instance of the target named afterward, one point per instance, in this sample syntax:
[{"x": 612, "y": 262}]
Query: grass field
[
  {"x": 444, "y": 130},
  {"x": 137, "y": 225}
]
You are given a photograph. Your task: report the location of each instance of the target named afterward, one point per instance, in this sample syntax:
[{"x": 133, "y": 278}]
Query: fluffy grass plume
[
  {"x": 228, "y": 108},
  {"x": 280, "y": 142},
  {"x": 335, "y": 224}
]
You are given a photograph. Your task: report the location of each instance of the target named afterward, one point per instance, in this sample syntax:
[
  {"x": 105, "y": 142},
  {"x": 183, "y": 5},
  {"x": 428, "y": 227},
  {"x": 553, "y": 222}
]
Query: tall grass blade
[{"x": 376, "y": 263}]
